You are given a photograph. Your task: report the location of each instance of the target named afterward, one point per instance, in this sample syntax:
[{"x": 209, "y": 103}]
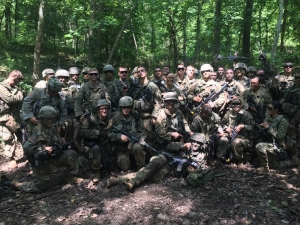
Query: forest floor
[{"x": 242, "y": 196}]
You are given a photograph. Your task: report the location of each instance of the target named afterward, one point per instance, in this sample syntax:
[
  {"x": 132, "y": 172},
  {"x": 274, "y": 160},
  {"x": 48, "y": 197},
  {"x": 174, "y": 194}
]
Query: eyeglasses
[
  {"x": 109, "y": 71},
  {"x": 157, "y": 71},
  {"x": 261, "y": 74},
  {"x": 297, "y": 78},
  {"x": 270, "y": 108},
  {"x": 236, "y": 104},
  {"x": 180, "y": 68},
  {"x": 288, "y": 66},
  {"x": 123, "y": 72},
  {"x": 141, "y": 71},
  {"x": 85, "y": 73},
  {"x": 102, "y": 109},
  {"x": 126, "y": 107},
  {"x": 94, "y": 74}
]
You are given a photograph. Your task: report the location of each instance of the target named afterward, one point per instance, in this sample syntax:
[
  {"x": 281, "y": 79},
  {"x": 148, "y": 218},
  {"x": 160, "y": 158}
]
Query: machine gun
[
  {"x": 173, "y": 160},
  {"x": 233, "y": 58},
  {"x": 211, "y": 97},
  {"x": 257, "y": 109},
  {"x": 181, "y": 131}
]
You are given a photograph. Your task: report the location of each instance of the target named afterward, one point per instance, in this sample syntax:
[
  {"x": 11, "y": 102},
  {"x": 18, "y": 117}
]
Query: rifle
[
  {"x": 280, "y": 152},
  {"x": 211, "y": 97},
  {"x": 173, "y": 160},
  {"x": 162, "y": 86},
  {"x": 252, "y": 104},
  {"x": 233, "y": 136},
  {"x": 212, "y": 139},
  {"x": 233, "y": 58},
  {"x": 44, "y": 156},
  {"x": 181, "y": 131}
]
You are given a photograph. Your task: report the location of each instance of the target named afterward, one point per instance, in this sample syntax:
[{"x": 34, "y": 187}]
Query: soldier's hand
[
  {"x": 48, "y": 149},
  {"x": 180, "y": 98},
  {"x": 239, "y": 128},
  {"x": 124, "y": 138},
  {"x": 176, "y": 135},
  {"x": 34, "y": 120},
  {"x": 186, "y": 146},
  {"x": 252, "y": 108},
  {"x": 265, "y": 125},
  {"x": 58, "y": 129},
  {"x": 197, "y": 98}
]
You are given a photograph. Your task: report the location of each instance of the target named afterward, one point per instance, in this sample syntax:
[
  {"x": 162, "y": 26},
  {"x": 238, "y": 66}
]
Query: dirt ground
[{"x": 242, "y": 196}]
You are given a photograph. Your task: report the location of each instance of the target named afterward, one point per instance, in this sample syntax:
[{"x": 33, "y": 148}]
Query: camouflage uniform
[
  {"x": 243, "y": 141},
  {"x": 209, "y": 127},
  {"x": 41, "y": 84},
  {"x": 265, "y": 150},
  {"x": 43, "y": 170},
  {"x": 115, "y": 88},
  {"x": 10, "y": 120},
  {"x": 166, "y": 120},
  {"x": 88, "y": 96},
  {"x": 181, "y": 83},
  {"x": 261, "y": 98},
  {"x": 134, "y": 126},
  {"x": 245, "y": 82},
  {"x": 204, "y": 89}
]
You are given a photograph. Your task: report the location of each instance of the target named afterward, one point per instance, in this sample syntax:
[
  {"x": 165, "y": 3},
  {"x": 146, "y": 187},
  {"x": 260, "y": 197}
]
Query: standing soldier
[
  {"x": 221, "y": 73},
  {"x": 256, "y": 100},
  {"x": 47, "y": 74},
  {"x": 89, "y": 93},
  {"x": 251, "y": 72},
  {"x": 85, "y": 73},
  {"x": 190, "y": 77},
  {"x": 240, "y": 72},
  {"x": 38, "y": 98},
  {"x": 93, "y": 130},
  {"x": 11, "y": 102},
  {"x": 239, "y": 126},
  {"x": 129, "y": 122},
  {"x": 74, "y": 75},
  {"x": 203, "y": 87},
  {"x": 123, "y": 83},
  {"x": 180, "y": 76},
  {"x": 44, "y": 151}
]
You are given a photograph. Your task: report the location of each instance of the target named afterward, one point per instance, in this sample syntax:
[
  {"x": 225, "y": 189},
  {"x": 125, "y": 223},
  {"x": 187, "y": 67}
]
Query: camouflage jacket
[
  {"x": 35, "y": 144},
  {"x": 245, "y": 118},
  {"x": 245, "y": 82},
  {"x": 10, "y": 102},
  {"x": 166, "y": 120},
  {"x": 204, "y": 89},
  {"x": 39, "y": 98},
  {"x": 278, "y": 128},
  {"x": 41, "y": 84},
  {"x": 88, "y": 96},
  {"x": 234, "y": 88},
  {"x": 291, "y": 102}
]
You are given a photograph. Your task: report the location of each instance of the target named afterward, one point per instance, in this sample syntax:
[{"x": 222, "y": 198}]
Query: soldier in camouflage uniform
[
  {"x": 204, "y": 87},
  {"x": 221, "y": 73},
  {"x": 74, "y": 75},
  {"x": 147, "y": 99},
  {"x": 123, "y": 83},
  {"x": 85, "y": 74},
  {"x": 43, "y": 97},
  {"x": 180, "y": 76},
  {"x": 240, "y": 72},
  {"x": 275, "y": 125},
  {"x": 113, "y": 85},
  {"x": 130, "y": 122},
  {"x": 93, "y": 130},
  {"x": 190, "y": 77},
  {"x": 171, "y": 127},
  {"x": 89, "y": 93},
  {"x": 256, "y": 100},
  {"x": 157, "y": 75},
  {"x": 11, "y": 101},
  {"x": 251, "y": 72},
  {"x": 209, "y": 124},
  {"x": 239, "y": 127},
  {"x": 47, "y": 74},
  {"x": 39, "y": 151}
]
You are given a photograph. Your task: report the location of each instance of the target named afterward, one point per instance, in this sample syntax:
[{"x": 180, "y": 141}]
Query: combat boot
[
  {"x": 130, "y": 185},
  {"x": 263, "y": 169},
  {"x": 96, "y": 176},
  {"x": 16, "y": 184},
  {"x": 112, "y": 181}
]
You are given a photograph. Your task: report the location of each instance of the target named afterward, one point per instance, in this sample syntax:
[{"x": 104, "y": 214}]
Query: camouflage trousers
[
  {"x": 43, "y": 178},
  {"x": 155, "y": 170},
  {"x": 94, "y": 157},
  {"x": 10, "y": 146},
  {"x": 267, "y": 156},
  {"x": 239, "y": 145},
  {"x": 222, "y": 146},
  {"x": 123, "y": 156}
]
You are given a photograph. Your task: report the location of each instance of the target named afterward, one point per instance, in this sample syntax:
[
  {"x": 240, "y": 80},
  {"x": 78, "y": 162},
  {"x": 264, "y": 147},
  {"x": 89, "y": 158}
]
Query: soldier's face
[
  {"x": 271, "y": 109},
  {"x": 288, "y": 67},
  {"x": 126, "y": 111},
  {"x": 166, "y": 70},
  {"x": 142, "y": 73},
  {"x": 64, "y": 80},
  {"x": 74, "y": 77},
  {"x": 236, "y": 106},
  {"x": 170, "y": 105},
  {"x": 229, "y": 75},
  {"x": 103, "y": 111},
  {"x": 86, "y": 76},
  {"x": 123, "y": 73},
  {"x": 48, "y": 122},
  {"x": 94, "y": 76},
  {"x": 180, "y": 69},
  {"x": 157, "y": 73},
  {"x": 213, "y": 75},
  {"x": 238, "y": 72},
  {"x": 255, "y": 84},
  {"x": 170, "y": 80},
  {"x": 221, "y": 71},
  {"x": 206, "y": 74},
  {"x": 190, "y": 72}
]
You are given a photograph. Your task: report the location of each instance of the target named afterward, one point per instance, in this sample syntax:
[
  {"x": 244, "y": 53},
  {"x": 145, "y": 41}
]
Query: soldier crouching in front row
[{"x": 44, "y": 152}]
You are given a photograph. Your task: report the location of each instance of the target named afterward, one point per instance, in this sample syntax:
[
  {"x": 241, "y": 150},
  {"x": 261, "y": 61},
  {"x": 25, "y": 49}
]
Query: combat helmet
[
  {"x": 85, "y": 70},
  {"x": 125, "y": 102},
  {"x": 46, "y": 72},
  {"x": 196, "y": 72},
  {"x": 74, "y": 70},
  {"x": 108, "y": 67},
  {"x": 206, "y": 67},
  {"x": 170, "y": 96},
  {"x": 240, "y": 66},
  {"x": 62, "y": 73},
  {"x": 198, "y": 137},
  {"x": 102, "y": 102},
  {"x": 47, "y": 112},
  {"x": 251, "y": 69},
  {"x": 54, "y": 84}
]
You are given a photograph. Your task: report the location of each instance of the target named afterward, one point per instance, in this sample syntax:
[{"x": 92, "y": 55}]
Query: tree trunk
[
  {"x": 284, "y": 23},
  {"x": 16, "y": 16},
  {"x": 38, "y": 42},
  {"x": 91, "y": 34},
  {"x": 247, "y": 24},
  {"x": 173, "y": 37},
  {"x": 184, "y": 38},
  {"x": 198, "y": 33},
  {"x": 7, "y": 13},
  {"x": 217, "y": 27},
  {"x": 278, "y": 26},
  {"x": 125, "y": 23}
]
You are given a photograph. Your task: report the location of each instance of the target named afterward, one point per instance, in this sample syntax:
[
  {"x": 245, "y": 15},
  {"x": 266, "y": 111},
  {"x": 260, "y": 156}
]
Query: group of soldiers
[{"x": 177, "y": 123}]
